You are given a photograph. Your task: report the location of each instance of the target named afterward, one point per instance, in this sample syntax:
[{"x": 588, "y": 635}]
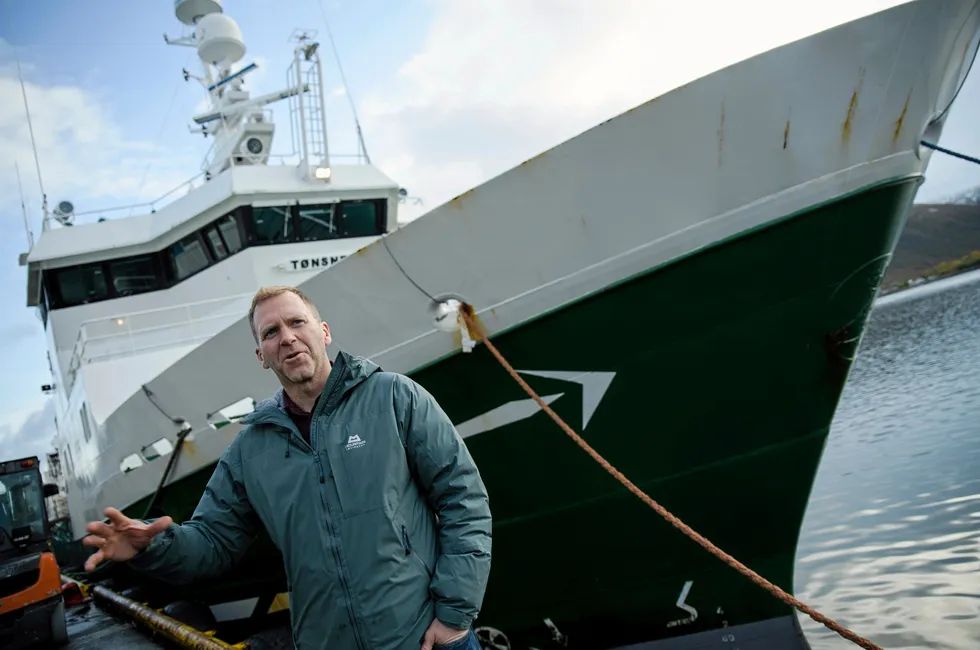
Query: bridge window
[
  {"x": 272, "y": 225},
  {"x": 214, "y": 242},
  {"x": 134, "y": 275},
  {"x": 336, "y": 221},
  {"x": 189, "y": 256},
  {"x": 317, "y": 222},
  {"x": 361, "y": 219},
  {"x": 218, "y": 249},
  {"x": 228, "y": 225},
  {"x": 79, "y": 285}
]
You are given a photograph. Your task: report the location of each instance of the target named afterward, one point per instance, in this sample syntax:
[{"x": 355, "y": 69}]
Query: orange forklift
[{"x": 32, "y": 609}]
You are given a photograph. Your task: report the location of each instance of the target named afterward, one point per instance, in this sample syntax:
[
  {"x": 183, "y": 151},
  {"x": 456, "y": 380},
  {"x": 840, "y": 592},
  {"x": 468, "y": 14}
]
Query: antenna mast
[
  {"x": 242, "y": 128},
  {"x": 23, "y": 206},
  {"x": 37, "y": 163}
]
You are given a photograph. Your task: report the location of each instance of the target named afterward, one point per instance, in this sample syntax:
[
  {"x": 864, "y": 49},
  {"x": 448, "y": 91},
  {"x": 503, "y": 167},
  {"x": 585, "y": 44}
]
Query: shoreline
[
  {"x": 943, "y": 270},
  {"x": 930, "y": 286}
]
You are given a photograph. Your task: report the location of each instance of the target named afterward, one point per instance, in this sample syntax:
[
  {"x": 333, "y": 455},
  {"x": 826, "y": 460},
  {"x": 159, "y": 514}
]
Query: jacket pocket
[
  {"x": 365, "y": 465},
  {"x": 407, "y": 544}
]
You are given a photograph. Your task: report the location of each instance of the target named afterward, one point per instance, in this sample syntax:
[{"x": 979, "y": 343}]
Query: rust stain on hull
[
  {"x": 846, "y": 131},
  {"x": 851, "y": 110},
  {"x": 458, "y": 201},
  {"x": 786, "y": 135},
  {"x": 901, "y": 118}
]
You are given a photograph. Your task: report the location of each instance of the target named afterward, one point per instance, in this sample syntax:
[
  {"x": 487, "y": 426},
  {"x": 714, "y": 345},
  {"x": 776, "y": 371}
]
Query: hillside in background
[{"x": 934, "y": 234}]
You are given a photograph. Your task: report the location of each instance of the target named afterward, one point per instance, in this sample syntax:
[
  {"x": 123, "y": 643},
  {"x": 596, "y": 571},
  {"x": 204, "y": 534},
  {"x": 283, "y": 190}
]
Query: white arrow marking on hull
[
  {"x": 503, "y": 415},
  {"x": 682, "y": 604},
  {"x": 681, "y": 600},
  {"x": 594, "y": 386}
]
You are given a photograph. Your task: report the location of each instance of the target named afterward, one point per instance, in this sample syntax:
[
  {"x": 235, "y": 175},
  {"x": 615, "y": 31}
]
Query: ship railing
[
  {"x": 152, "y": 206},
  {"x": 281, "y": 159},
  {"x": 200, "y": 179},
  {"x": 149, "y": 330}
]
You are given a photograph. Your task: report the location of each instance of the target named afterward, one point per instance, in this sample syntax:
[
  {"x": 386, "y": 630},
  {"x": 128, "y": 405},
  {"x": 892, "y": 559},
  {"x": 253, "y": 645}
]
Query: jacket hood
[{"x": 346, "y": 373}]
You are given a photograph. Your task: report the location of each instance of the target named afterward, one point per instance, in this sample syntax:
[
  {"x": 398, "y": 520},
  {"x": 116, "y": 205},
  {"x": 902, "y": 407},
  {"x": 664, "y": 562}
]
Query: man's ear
[
  {"x": 326, "y": 333},
  {"x": 258, "y": 355}
]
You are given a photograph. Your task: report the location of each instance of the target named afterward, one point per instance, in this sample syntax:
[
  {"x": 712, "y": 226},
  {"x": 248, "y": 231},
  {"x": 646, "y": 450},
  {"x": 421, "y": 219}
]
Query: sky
[{"x": 449, "y": 93}]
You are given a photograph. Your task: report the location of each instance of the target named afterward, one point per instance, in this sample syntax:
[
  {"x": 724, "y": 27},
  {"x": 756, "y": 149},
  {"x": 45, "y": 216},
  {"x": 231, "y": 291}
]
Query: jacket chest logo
[{"x": 354, "y": 442}]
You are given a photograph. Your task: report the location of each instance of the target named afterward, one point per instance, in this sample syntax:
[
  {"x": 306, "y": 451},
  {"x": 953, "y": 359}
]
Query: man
[{"x": 362, "y": 482}]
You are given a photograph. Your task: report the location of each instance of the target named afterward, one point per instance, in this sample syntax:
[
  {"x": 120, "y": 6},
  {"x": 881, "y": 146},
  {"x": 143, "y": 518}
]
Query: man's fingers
[
  {"x": 99, "y": 528},
  {"x": 428, "y": 639},
  {"x": 116, "y": 517},
  {"x": 93, "y": 540},
  {"x": 93, "y": 560}
]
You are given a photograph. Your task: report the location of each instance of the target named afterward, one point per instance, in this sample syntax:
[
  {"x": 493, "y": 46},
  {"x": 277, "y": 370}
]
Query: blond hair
[{"x": 264, "y": 293}]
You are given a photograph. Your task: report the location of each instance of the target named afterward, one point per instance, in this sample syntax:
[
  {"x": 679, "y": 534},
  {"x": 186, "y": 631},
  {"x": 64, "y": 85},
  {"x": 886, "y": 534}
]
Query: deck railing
[{"x": 137, "y": 332}]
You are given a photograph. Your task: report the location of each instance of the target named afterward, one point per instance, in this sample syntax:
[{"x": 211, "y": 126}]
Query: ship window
[
  {"x": 82, "y": 284},
  {"x": 272, "y": 225},
  {"x": 86, "y": 427},
  {"x": 217, "y": 246},
  {"x": 42, "y": 306},
  {"x": 129, "y": 463},
  {"x": 189, "y": 256},
  {"x": 154, "y": 450},
  {"x": 228, "y": 225},
  {"x": 360, "y": 220},
  {"x": 317, "y": 222},
  {"x": 134, "y": 275}
]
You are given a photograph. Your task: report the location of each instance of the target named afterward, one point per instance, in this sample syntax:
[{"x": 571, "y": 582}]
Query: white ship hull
[{"x": 729, "y": 153}]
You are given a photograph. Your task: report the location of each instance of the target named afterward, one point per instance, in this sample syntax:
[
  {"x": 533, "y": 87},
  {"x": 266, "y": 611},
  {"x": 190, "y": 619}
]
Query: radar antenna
[{"x": 242, "y": 128}]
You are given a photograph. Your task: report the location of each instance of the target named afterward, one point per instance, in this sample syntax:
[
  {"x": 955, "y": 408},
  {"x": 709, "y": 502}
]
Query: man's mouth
[{"x": 293, "y": 355}]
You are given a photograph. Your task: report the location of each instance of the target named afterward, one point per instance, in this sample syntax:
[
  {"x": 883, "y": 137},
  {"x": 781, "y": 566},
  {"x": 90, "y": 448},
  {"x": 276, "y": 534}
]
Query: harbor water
[{"x": 890, "y": 546}]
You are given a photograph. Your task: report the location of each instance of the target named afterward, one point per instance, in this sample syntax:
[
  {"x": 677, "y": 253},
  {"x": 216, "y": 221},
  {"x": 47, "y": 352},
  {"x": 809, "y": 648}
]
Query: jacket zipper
[
  {"x": 319, "y": 466},
  {"x": 406, "y": 541},
  {"x": 355, "y": 628}
]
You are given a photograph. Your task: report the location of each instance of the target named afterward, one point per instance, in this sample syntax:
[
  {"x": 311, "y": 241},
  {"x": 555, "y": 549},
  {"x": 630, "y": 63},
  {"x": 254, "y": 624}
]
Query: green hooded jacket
[{"x": 383, "y": 520}]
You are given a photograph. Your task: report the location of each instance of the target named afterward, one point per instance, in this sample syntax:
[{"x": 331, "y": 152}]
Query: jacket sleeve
[
  {"x": 213, "y": 539},
  {"x": 452, "y": 485}
]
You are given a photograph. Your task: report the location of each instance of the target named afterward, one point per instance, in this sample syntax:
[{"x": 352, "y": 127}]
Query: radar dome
[
  {"x": 189, "y": 11},
  {"x": 219, "y": 40}
]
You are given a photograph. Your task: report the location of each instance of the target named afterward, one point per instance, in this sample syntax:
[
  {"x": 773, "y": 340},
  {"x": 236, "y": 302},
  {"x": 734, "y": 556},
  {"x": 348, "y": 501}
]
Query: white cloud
[
  {"x": 496, "y": 83},
  {"x": 84, "y": 155},
  {"x": 28, "y": 433}
]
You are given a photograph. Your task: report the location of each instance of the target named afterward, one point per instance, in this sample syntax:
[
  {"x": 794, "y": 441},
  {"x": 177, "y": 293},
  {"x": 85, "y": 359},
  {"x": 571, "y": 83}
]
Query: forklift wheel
[{"x": 59, "y": 625}]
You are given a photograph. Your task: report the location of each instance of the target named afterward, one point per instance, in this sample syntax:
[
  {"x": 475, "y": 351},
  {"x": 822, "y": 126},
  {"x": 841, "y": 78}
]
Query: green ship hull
[{"x": 728, "y": 367}]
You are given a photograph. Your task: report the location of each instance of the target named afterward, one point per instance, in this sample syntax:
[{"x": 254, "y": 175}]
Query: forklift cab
[{"x": 32, "y": 610}]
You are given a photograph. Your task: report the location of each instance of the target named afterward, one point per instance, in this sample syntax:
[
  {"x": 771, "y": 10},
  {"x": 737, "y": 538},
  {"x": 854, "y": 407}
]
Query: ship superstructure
[{"x": 122, "y": 299}]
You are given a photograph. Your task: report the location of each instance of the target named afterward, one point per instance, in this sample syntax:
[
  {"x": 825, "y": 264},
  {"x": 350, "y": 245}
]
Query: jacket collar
[{"x": 346, "y": 372}]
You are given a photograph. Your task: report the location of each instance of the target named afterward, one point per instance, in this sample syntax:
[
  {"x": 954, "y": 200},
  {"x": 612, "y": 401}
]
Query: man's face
[{"x": 291, "y": 341}]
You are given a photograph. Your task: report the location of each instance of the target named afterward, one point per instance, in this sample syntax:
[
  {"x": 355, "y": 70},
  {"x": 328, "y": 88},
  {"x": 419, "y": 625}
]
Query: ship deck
[{"x": 91, "y": 627}]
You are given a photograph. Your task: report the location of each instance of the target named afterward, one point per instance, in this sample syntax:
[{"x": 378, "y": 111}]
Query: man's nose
[{"x": 287, "y": 337}]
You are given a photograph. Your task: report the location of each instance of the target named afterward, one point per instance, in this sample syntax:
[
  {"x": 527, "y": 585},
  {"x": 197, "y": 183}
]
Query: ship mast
[{"x": 243, "y": 130}]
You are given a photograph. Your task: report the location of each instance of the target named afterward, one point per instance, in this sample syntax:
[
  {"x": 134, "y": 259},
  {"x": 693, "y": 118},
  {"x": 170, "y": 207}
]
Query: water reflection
[{"x": 891, "y": 541}]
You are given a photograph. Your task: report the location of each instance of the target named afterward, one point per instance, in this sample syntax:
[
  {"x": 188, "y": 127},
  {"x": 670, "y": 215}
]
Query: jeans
[{"x": 468, "y": 642}]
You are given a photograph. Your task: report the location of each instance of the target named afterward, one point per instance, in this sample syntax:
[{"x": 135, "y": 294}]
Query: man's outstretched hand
[{"x": 121, "y": 538}]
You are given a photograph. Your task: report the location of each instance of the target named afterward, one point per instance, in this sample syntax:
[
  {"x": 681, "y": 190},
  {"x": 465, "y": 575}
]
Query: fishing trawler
[{"x": 686, "y": 284}]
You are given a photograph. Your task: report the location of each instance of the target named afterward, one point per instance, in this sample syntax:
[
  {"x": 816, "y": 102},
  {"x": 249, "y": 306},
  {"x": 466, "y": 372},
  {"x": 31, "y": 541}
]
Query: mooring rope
[
  {"x": 950, "y": 152},
  {"x": 466, "y": 311}
]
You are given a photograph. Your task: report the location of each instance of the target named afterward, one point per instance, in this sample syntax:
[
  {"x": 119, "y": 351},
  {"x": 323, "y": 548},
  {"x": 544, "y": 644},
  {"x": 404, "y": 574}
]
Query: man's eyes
[{"x": 268, "y": 333}]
